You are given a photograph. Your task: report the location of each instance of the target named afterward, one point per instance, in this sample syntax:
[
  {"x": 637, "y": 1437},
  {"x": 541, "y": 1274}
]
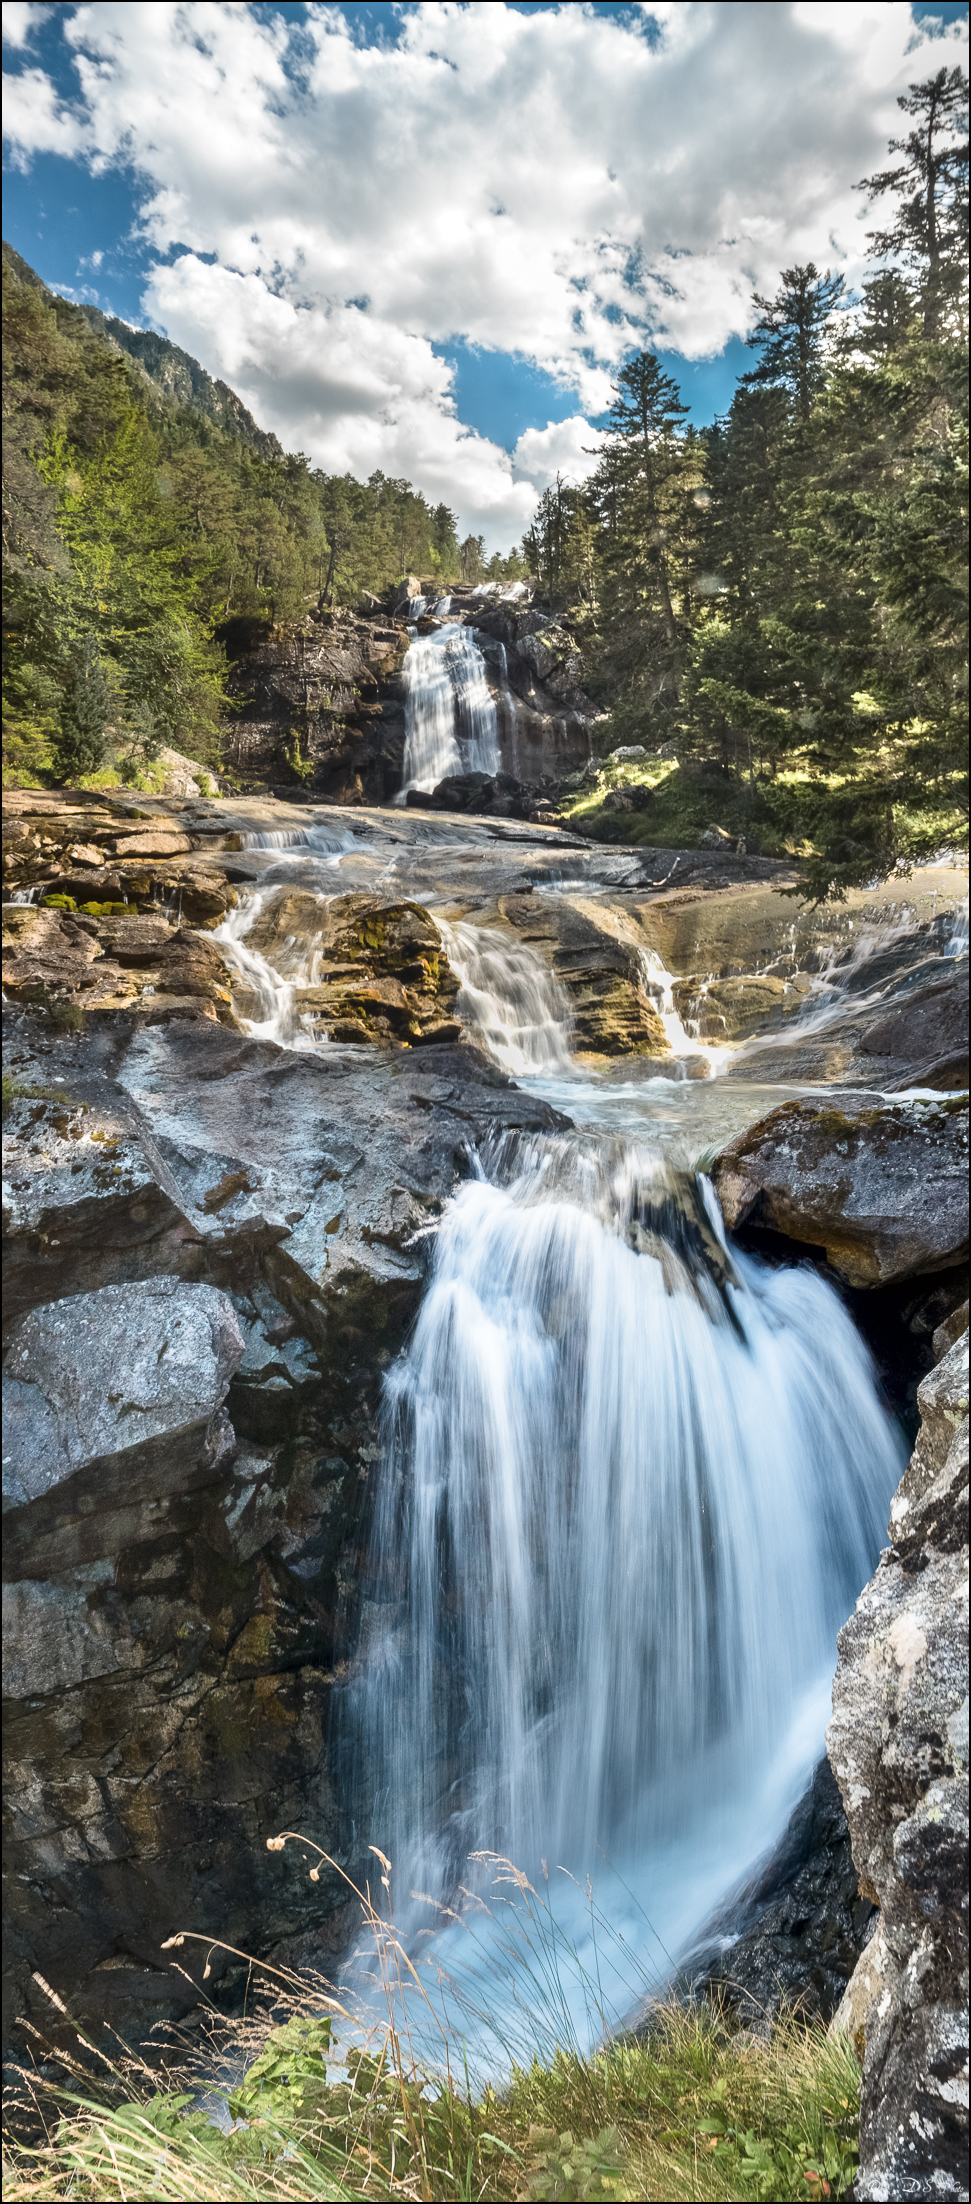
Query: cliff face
[{"x": 319, "y": 699}]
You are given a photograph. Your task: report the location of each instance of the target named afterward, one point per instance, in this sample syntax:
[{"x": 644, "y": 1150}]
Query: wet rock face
[
  {"x": 598, "y": 968},
  {"x": 794, "y": 1935},
  {"x": 898, "y": 1742},
  {"x": 205, "y": 1299},
  {"x": 323, "y": 692},
  {"x": 880, "y": 1185}
]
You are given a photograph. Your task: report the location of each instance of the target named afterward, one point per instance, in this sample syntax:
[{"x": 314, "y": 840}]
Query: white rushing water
[
  {"x": 450, "y": 714},
  {"x": 509, "y": 998},
  {"x": 631, "y": 1485},
  {"x": 631, "y": 1489}
]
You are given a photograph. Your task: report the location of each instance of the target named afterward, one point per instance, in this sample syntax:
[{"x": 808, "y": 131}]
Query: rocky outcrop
[
  {"x": 490, "y": 796},
  {"x": 91, "y": 857},
  {"x": 367, "y": 970},
  {"x": 189, "y": 1210},
  {"x": 318, "y": 700},
  {"x": 596, "y": 961},
  {"x": 881, "y": 1186},
  {"x": 53, "y": 958},
  {"x": 898, "y": 1742}
]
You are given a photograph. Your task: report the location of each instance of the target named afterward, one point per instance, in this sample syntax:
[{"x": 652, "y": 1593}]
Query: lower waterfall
[{"x": 632, "y": 1485}]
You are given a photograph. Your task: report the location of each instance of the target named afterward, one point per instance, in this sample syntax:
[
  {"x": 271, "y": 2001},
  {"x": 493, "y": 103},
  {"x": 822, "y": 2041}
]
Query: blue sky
[{"x": 633, "y": 214}]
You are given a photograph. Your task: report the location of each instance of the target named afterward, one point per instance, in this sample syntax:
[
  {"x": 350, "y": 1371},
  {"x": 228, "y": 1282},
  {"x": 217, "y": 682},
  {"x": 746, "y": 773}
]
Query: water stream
[
  {"x": 632, "y": 1485},
  {"x": 632, "y": 1480}
]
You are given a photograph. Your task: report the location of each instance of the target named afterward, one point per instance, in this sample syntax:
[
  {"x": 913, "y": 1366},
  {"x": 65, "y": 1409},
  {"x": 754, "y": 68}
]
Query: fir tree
[{"x": 929, "y": 225}]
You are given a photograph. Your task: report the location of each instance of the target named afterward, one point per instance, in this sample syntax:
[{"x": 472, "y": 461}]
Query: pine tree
[
  {"x": 791, "y": 333},
  {"x": 84, "y": 721},
  {"x": 929, "y": 225}
]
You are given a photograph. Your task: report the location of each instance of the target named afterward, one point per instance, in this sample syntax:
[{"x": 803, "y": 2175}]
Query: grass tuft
[{"x": 304, "y": 2098}]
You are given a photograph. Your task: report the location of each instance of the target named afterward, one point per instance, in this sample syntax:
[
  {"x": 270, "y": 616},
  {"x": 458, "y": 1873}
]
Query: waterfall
[
  {"x": 632, "y": 1485},
  {"x": 450, "y": 715},
  {"x": 509, "y": 998}
]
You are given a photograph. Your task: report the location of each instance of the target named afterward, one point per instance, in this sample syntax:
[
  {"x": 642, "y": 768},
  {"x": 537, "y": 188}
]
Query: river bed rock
[
  {"x": 898, "y": 1742},
  {"x": 880, "y": 1185}
]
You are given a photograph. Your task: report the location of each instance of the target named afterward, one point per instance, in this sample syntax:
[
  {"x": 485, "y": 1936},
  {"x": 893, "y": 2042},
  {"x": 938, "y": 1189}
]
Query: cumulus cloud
[
  {"x": 557, "y": 185},
  {"x": 21, "y": 18}
]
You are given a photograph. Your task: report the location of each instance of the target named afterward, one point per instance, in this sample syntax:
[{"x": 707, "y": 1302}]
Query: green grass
[
  {"x": 694, "y": 2112},
  {"x": 780, "y": 818},
  {"x": 329, "y": 2104}
]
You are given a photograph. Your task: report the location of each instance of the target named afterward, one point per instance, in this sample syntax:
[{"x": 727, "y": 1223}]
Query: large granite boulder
[
  {"x": 880, "y": 1185},
  {"x": 898, "y": 1743}
]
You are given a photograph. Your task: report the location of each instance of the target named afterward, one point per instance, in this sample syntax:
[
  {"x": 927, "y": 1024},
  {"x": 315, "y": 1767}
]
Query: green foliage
[
  {"x": 785, "y": 596},
  {"x": 83, "y": 738},
  {"x": 288, "y": 2083}
]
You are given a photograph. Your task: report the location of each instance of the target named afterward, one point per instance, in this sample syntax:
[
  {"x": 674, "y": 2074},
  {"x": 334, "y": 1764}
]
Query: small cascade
[
  {"x": 658, "y": 984},
  {"x": 279, "y": 1019},
  {"x": 329, "y": 839},
  {"x": 509, "y": 998},
  {"x": 957, "y": 941},
  {"x": 450, "y": 713},
  {"x": 632, "y": 1486}
]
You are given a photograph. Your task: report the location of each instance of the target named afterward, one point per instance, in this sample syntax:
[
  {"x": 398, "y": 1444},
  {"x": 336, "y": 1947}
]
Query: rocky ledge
[{"x": 879, "y": 1185}]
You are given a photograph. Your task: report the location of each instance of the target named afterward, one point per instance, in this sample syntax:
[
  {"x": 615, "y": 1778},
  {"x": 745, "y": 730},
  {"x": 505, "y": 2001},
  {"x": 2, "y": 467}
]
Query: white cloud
[
  {"x": 21, "y": 18},
  {"x": 548, "y": 184},
  {"x": 563, "y": 447}
]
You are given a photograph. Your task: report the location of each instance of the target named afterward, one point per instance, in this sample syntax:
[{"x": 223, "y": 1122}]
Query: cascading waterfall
[
  {"x": 279, "y": 1019},
  {"x": 450, "y": 714},
  {"x": 631, "y": 1488},
  {"x": 509, "y": 998}
]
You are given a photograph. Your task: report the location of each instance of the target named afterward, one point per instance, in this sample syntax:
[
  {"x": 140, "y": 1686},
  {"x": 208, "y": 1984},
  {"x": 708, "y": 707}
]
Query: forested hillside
[
  {"x": 778, "y": 602},
  {"x": 143, "y": 507},
  {"x": 783, "y": 597}
]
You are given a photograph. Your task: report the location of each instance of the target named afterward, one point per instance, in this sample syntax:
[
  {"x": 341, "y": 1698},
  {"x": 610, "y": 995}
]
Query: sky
[{"x": 425, "y": 238}]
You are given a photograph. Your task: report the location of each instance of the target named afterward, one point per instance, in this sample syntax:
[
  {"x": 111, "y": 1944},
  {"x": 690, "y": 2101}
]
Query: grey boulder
[
  {"x": 107, "y": 1374},
  {"x": 880, "y": 1185},
  {"x": 898, "y": 1743}
]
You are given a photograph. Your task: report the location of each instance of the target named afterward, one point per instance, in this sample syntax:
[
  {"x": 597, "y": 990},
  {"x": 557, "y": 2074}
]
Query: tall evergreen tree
[
  {"x": 84, "y": 721},
  {"x": 928, "y": 227},
  {"x": 791, "y": 333}
]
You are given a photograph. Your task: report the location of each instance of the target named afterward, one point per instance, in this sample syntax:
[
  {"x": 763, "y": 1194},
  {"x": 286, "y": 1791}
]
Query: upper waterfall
[{"x": 450, "y": 714}]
